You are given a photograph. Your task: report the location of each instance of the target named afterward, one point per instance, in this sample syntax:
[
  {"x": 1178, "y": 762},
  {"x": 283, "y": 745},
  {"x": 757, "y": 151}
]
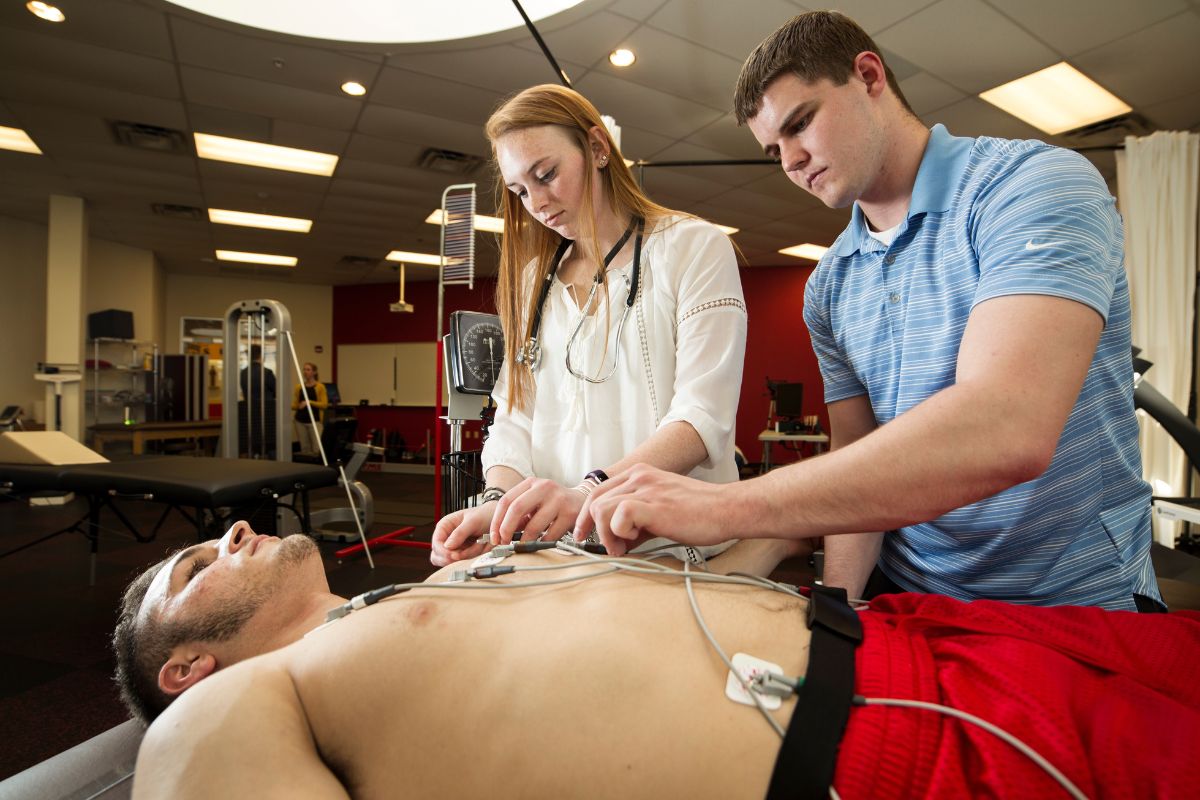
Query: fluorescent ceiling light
[
  {"x": 1056, "y": 99},
  {"x": 621, "y": 57},
  {"x": 45, "y": 11},
  {"x": 380, "y": 21},
  {"x": 257, "y": 154},
  {"x": 813, "y": 252},
  {"x": 226, "y": 217},
  {"x": 725, "y": 229},
  {"x": 354, "y": 88},
  {"x": 256, "y": 258},
  {"x": 482, "y": 222},
  {"x": 17, "y": 139},
  {"x": 415, "y": 258}
]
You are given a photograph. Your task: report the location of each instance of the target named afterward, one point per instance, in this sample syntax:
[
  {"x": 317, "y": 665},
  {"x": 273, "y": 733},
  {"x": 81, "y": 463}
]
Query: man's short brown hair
[
  {"x": 143, "y": 642},
  {"x": 140, "y": 653},
  {"x": 812, "y": 46}
]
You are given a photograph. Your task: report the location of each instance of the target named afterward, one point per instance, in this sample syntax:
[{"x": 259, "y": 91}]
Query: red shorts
[{"x": 1110, "y": 698}]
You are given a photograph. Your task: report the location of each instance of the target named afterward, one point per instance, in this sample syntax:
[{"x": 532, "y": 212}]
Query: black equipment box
[{"x": 110, "y": 324}]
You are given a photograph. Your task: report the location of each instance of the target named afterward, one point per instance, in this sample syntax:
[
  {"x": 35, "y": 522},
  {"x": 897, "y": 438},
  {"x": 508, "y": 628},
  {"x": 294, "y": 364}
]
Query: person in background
[{"x": 309, "y": 393}]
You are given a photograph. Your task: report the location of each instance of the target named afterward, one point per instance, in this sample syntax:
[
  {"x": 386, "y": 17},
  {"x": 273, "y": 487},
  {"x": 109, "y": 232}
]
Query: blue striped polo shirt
[{"x": 993, "y": 217}]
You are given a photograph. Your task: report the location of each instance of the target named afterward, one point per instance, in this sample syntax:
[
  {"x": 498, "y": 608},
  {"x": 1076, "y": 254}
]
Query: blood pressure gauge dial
[{"x": 476, "y": 351}]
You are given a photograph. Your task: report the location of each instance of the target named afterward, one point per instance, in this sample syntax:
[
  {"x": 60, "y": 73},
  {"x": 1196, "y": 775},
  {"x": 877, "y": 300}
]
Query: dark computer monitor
[
  {"x": 788, "y": 397},
  {"x": 332, "y": 394}
]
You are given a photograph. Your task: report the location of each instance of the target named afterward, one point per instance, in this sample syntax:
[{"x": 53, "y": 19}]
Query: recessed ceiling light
[
  {"x": 256, "y": 258},
  {"x": 1057, "y": 99},
  {"x": 271, "y": 156},
  {"x": 415, "y": 258},
  {"x": 813, "y": 252},
  {"x": 482, "y": 222},
  {"x": 45, "y": 11},
  {"x": 17, "y": 139},
  {"x": 354, "y": 88},
  {"x": 621, "y": 57},
  {"x": 381, "y": 21},
  {"x": 224, "y": 216},
  {"x": 725, "y": 229}
]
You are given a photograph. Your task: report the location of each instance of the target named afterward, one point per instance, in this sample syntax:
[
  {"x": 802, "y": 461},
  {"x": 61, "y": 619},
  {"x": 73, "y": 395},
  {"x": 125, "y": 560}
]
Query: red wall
[
  {"x": 778, "y": 346},
  {"x": 361, "y": 315}
]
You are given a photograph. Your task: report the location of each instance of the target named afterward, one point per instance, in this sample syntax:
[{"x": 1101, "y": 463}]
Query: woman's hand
[
  {"x": 462, "y": 535},
  {"x": 536, "y": 506}
]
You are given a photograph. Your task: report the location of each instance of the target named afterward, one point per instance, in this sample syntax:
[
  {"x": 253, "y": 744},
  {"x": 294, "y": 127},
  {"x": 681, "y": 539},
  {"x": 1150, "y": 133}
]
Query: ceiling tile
[
  {"x": 78, "y": 95},
  {"x": 722, "y": 214},
  {"x": 1180, "y": 114},
  {"x": 252, "y": 196},
  {"x": 724, "y": 27},
  {"x": 900, "y": 67},
  {"x": 645, "y": 108},
  {"x": 309, "y": 137},
  {"x": 724, "y": 136},
  {"x": 219, "y": 90},
  {"x": 586, "y": 40},
  {"x": 973, "y": 117},
  {"x": 263, "y": 179},
  {"x": 777, "y": 184},
  {"x": 637, "y": 143},
  {"x": 116, "y": 24},
  {"x": 55, "y": 124},
  {"x": 967, "y": 44},
  {"x": 53, "y": 55},
  {"x": 763, "y": 207},
  {"x": 874, "y": 16},
  {"x": 1124, "y": 68},
  {"x": 423, "y": 130},
  {"x": 734, "y": 175},
  {"x": 401, "y": 88},
  {"x": 926, "y": 93},
  {"x": 1072, "y": 26},
  {"x": 709, "y": 78},
  {"x": 636, "y": 9},
  {"x": 681, "y": 182},
  {"x": 317, "y": 68},
  {"x": 504, "y": 69},
  {"x": 227, "y": 122}
]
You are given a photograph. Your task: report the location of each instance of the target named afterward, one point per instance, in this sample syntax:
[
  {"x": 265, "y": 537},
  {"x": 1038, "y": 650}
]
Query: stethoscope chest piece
[{"x": 530, "y": 354}]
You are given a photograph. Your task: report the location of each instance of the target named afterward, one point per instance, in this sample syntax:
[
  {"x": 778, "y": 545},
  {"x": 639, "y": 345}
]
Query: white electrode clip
[{"x": 765, "y": 679}]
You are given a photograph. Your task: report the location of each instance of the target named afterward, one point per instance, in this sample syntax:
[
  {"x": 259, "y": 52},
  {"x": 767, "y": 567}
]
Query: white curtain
[{"x": 1158, "y": 179}]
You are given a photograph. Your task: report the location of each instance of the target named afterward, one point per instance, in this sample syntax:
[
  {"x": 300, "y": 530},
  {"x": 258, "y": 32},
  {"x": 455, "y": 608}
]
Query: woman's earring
[{"x": 603, "y": 162}]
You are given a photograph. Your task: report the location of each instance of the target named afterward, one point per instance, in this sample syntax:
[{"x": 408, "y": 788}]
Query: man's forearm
[
  {"x": 849, "y": 560},
  {"x": 952, "y": 450}
]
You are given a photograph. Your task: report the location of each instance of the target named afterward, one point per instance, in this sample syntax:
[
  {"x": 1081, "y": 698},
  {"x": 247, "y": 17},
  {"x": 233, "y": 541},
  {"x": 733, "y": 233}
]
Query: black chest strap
[{"x": 805, "y": 765}]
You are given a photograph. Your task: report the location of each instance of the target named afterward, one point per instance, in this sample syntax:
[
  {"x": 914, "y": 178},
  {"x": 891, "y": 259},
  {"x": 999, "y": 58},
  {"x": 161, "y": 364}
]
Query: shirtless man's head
[{"x": 206, "y": 607}]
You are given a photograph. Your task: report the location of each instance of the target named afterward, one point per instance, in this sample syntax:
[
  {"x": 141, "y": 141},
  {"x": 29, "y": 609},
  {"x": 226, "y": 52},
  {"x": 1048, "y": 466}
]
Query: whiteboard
[
  {"x": 388, "y": 374},
  {"x": 416, "y": 374}
]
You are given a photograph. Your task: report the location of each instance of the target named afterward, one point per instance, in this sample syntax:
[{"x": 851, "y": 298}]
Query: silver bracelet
[{"x": 491, "y": 493}]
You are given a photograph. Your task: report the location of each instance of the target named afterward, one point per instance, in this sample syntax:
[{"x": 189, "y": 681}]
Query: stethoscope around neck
[{"x": 530, "y": 353}]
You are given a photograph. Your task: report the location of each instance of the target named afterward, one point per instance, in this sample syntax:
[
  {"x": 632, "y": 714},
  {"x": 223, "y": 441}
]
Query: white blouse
[{"x": 678, "y": 359}]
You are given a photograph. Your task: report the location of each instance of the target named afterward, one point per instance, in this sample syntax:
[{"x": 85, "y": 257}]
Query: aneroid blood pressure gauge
[{"x": 475, "y": 351}]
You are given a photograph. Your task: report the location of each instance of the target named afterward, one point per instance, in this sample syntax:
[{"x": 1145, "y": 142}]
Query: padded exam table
[{"x": 191, "y": 486}]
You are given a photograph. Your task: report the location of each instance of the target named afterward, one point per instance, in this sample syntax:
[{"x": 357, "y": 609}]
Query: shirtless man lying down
[{"x": 607, "y": 687}]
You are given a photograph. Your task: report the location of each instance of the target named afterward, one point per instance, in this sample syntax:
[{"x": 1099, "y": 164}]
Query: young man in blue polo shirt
[{"x": 972, "y": 327}]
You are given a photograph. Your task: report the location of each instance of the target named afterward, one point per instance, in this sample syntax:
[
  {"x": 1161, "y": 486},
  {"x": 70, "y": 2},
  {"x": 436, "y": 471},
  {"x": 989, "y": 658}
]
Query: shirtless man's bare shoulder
[{"x": 239, "y": 733}]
